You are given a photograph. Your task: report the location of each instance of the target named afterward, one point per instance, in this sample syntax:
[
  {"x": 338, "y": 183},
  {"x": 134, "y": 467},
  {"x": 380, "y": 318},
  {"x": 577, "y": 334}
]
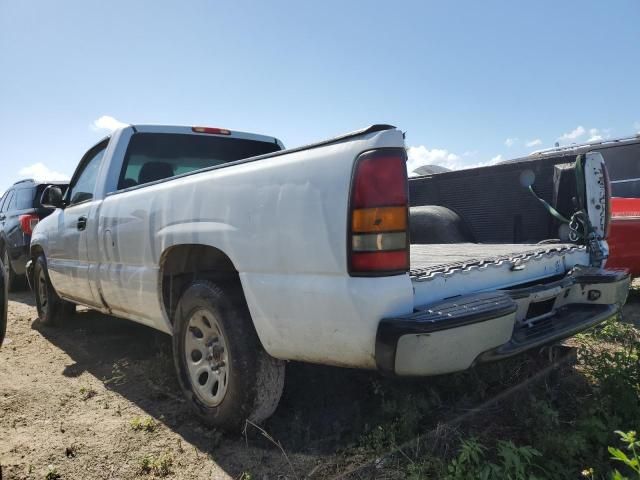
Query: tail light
[
  {"x": 211, "y": 130},
  {"x": 28, "y": 223},
  {"x": 378, "y": 241}
]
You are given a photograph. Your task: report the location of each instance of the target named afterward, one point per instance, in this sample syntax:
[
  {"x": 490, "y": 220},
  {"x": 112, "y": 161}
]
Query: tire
[
  {"x": 436, "y": 224},
  {"x": 14, "y": 281},
  {"x": 223, "y": 371},
  {"x": 52, "y": 310},
  {"x": 4, "y": 300}
]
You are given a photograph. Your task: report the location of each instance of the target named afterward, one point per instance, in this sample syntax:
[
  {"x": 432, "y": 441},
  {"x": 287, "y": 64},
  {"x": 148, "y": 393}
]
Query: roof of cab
[
  {"x": 31, "y": 181},
  {"x": 189, "y": 130}
]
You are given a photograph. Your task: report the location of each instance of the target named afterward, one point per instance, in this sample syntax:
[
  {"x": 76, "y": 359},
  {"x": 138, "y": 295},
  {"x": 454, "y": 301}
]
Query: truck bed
[{"x": 427, "y": 259}]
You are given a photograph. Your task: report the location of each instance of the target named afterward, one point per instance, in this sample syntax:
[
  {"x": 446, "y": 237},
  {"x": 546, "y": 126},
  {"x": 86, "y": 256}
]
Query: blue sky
[{"x": 461, "y": 78}]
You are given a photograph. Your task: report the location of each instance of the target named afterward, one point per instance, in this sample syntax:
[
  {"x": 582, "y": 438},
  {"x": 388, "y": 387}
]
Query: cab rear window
[{"x": 156, "y": 156}]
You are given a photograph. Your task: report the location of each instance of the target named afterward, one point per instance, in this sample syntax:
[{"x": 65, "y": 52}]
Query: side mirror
[{"x": 52, "y": 197}]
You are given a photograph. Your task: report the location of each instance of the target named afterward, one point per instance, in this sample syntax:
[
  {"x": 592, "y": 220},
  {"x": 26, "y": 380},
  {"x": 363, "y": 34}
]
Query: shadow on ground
[
  {"x": 24, "y": 296},
  {"x": 321, "y": 408}
]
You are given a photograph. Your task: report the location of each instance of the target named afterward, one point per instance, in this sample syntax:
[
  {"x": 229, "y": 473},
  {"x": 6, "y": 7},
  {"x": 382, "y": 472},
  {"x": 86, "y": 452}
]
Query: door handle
[
  {"x": 2, "y": 217},
  {"x": 82, "y": 223}
]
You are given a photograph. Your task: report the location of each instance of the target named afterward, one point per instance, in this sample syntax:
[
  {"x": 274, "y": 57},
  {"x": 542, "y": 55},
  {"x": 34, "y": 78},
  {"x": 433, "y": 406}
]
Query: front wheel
[
  {"x": 222, "y": 368},
  {"x": 51, "y": 308}
]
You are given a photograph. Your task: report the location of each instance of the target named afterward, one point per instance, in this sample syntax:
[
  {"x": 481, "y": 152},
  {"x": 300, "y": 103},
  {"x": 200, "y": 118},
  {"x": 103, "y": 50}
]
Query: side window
[
  {"x": 12, "y": 202},
  {"x": 24, "y": 198},
  {"x": 85, "y": 182},
  {"x": 8, "y": 201}
]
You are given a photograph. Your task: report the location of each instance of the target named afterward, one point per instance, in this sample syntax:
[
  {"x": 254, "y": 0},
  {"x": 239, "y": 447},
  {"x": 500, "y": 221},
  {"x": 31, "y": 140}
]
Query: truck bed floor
[{"x": 427, "y": 258}]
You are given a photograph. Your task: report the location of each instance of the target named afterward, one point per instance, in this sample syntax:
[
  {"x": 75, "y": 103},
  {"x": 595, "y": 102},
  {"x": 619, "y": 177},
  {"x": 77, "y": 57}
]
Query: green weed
[
  {"x": 52, "y": 473},
  {"x": 400, "y": 418},
  {"x": 159, "y": 466},
  {"x": 87, "y": 392},
  {"x": 510, "y": 461},
  {"x": 118, "y": 373},
  {"x": 630, "y": 459},
  {"x": 143, "y": 424}
]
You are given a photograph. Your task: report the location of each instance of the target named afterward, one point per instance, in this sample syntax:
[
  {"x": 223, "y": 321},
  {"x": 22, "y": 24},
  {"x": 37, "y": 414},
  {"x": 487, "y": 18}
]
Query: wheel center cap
[{"x": 216, "y": 353}]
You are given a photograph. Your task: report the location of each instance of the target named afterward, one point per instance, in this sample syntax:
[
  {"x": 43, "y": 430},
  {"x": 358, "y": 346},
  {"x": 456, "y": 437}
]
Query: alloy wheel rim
[{"x": 207, "y": 357}]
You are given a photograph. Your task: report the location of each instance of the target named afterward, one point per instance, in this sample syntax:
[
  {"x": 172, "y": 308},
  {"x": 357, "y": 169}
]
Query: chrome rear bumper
[{"x": 454, "y": 334}]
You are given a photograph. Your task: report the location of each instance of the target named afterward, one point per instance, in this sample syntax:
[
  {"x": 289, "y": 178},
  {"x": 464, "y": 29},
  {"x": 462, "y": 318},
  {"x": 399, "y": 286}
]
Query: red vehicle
[
  {"x": 624, "y": 237},
  {"x": 622, "y": 157}
]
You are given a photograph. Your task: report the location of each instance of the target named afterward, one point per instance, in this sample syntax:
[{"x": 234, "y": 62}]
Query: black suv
[{"x": 20, "y": 211}]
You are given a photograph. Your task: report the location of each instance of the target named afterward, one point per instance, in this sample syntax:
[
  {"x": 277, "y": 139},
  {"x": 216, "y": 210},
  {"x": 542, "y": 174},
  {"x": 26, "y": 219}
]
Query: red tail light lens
[
  {"x": 378, "y": 240},
  {"x": 28, "y": 223},
  {"x": 379, "y": 262},
  {"x": 380, "y": 181}
]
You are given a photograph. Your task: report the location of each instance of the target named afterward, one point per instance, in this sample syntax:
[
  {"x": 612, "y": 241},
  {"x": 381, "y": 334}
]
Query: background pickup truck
[{"x": 250, "y": 255}]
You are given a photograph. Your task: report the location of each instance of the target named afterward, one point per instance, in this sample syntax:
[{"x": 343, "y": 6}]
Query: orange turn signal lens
[{"x": 382, "y": 219}]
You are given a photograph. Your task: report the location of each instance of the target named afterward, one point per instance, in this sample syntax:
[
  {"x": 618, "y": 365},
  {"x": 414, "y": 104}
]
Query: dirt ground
[{"x": 70, "y": 396}]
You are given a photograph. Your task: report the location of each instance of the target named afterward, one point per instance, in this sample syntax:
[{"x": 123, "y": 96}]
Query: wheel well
[
  {"x": 36, "y": 250},
  {"x": 182, "y": 264}
]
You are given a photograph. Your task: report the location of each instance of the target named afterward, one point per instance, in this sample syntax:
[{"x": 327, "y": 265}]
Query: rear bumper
[
  {"x": 565, "y": 323},
  {"x": 454, "y": 334}
]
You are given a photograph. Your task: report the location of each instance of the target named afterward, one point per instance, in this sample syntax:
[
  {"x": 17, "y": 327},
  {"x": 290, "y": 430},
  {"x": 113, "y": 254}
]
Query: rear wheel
[
  {"x": 52, "y": 310},
  {"x": 14, "y": 281},
  {"x": 3, "y": 304},
  {"x": 222, "y": 368}
]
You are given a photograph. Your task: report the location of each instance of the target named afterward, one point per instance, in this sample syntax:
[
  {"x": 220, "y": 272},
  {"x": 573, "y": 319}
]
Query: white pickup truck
[{"x": 250, "y": 255}]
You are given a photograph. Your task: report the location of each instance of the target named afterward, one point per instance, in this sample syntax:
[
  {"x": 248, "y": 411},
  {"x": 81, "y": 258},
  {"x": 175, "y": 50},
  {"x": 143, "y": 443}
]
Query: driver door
[{"x": 68, "y": 259}]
